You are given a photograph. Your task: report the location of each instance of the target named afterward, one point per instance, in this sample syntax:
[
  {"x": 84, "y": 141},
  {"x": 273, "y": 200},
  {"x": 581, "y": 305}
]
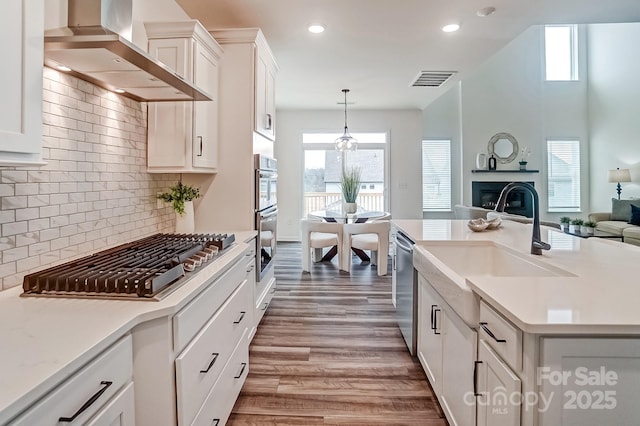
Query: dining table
[{"x": 360, "y": 216}]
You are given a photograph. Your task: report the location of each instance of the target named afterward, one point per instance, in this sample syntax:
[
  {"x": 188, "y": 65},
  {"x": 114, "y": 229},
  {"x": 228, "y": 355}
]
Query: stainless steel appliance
[
  {"x": 266, "y": 174},
  {"x": 145, "y": 269},
  {"x": 406, "y": 291}
]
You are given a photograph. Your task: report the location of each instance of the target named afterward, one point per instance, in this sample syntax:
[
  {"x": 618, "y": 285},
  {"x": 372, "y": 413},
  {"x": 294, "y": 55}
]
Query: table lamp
[{"x": 619, "y": 175}]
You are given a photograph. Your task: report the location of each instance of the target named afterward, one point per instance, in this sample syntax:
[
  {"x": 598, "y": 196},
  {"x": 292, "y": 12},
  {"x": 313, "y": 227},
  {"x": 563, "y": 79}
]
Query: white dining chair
[
  {"x": 318, "y": 235},
  {"x": 372, "y": 236}
]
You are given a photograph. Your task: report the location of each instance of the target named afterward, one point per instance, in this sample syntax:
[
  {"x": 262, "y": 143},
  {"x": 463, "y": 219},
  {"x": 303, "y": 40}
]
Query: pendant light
[{"x": 346, "y": 142}]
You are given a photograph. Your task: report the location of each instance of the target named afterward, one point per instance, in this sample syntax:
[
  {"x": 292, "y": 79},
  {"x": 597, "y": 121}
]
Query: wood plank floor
[{"x": 328, "y": 352}]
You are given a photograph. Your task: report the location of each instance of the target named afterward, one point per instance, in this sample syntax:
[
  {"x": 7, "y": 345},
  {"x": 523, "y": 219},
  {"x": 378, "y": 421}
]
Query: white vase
[
  {"x": 350, "y": 208},
  {"x": 185, "y": 224},
  {"x": 572, "y": 228},
  {"x": 481, "y": 161}
]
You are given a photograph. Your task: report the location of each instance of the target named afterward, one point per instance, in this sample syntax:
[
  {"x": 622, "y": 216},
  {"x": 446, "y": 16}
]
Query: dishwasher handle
[{"x": 404, "y": 242}]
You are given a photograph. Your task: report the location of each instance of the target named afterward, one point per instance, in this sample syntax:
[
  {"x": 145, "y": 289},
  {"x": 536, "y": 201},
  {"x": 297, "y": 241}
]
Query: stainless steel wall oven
[{"x": 266, "y": 172}]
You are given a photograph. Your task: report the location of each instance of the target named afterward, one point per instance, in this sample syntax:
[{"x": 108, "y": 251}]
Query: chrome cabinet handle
[
  {"x": 213, "y": 361},
  {"x": 268, "y": 126},
  {"x": 200, "y": 138},
  {"x": 490, "y": 333},
  {"x": 475, "y": 378},
  {"x": 87, "y": 404},
  {"x": 242, "y": 314},
  {"x": 264, "y": 308},
  {"x": 244, "y": 365},
  {"x": 435, "y": 321}
]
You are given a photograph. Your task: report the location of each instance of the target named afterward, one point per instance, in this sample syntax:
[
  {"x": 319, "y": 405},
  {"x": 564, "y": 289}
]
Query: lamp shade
[{"x": 619, "y": 175}]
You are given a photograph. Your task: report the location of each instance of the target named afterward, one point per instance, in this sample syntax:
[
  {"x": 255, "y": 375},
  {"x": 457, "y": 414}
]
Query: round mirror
[{"x": 504, "y": 147}]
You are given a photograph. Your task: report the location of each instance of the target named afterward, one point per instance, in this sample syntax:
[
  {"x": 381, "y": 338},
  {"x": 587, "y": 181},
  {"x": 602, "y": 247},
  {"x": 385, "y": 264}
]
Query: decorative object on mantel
[
  {"x": 505, "y": 171},
  {"x": 350, "y": 187},
  {"x": 481, "y": 161},
  {"x": 346, "y": 142},
  {"x": 504, "y": 146},
  {"x": 492, "y": 162},
  {"x": 619, "y": 175},
  {"x": 524, "y": 154},
  {"x": 181, "y": 198}
]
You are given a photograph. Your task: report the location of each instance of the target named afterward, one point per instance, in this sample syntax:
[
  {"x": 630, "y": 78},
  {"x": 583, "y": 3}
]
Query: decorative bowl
[
  {"x": 494, "y": 223},
  {"x": 477, "y": 225}
]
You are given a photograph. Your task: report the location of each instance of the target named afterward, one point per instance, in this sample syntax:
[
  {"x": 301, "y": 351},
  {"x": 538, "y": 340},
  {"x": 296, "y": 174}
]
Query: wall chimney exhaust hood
[{"x": 96, "y": 47}]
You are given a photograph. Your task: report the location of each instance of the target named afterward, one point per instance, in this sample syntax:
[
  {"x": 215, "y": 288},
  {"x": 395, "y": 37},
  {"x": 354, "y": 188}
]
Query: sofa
[{"x": 622, "y": 220}]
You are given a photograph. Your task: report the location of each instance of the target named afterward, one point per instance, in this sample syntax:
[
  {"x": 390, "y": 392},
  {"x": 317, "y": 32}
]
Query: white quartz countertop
[
  {"x": 603, "y": 296},
  {"x": 44, "y": 340}
]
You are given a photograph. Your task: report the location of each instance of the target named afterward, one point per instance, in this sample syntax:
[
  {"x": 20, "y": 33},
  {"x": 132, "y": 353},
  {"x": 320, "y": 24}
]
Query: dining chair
[
  {"x": 373, "y": 236},
  {"x": 318, "y": 235}
]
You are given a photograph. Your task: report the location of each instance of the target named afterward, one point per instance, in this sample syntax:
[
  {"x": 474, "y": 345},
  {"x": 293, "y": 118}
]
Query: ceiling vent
[{"x": 432, "y": 78}]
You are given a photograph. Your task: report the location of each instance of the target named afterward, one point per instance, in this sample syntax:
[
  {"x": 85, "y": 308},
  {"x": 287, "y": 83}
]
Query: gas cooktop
[{"x": 145, "y": 269}]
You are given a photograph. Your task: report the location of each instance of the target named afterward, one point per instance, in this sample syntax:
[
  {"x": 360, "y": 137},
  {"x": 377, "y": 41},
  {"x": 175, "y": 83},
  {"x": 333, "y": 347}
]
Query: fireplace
[{"x": 486, "y": 194}]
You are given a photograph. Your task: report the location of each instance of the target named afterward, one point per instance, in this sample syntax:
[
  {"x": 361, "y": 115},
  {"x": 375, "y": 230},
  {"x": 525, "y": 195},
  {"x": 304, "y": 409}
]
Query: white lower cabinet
[
  {"x": 96, "y": 394},
  {"x": 447, "y": 349},
  {"x": 496, "y": 385}
]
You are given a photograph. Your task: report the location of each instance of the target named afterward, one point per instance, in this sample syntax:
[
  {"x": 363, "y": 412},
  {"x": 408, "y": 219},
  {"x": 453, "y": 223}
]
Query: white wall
[
  {"x": 614, "y": 109},
  {"x": 404, "y": 127},
  {"x": 508, "y": 94}
]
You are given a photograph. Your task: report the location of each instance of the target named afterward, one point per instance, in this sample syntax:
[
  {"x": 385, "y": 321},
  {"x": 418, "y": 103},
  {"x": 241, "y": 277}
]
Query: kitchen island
[
  {"x": 557, "y": 335},
  {"x": 48, "y": 342}
]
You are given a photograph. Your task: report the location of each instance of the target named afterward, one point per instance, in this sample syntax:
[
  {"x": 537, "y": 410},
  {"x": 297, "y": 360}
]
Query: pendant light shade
[{"x": 346, "y": 142}]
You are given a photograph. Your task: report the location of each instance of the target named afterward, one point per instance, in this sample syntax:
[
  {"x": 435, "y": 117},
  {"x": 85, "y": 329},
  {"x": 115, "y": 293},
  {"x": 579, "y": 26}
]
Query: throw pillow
[
  {"x": 621, "y": 209},
  {"x": 635, "y": 215}
]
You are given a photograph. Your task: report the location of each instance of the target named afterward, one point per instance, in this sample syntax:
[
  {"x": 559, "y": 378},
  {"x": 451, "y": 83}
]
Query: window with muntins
[
  {"x": 561, "y": 52},
  {"x": 563, "y": 175},
  {"x": 436, "y": 175}
]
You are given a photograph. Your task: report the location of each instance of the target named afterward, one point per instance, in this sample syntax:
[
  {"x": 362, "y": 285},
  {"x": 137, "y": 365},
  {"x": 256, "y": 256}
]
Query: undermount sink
[{"x": 447, "y": 264}]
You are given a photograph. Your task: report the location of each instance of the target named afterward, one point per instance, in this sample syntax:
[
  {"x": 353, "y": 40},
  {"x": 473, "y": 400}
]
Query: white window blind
[
  {"x": 563, "y": 161},
  {"x": 436, "y": 175},
  {"x": 561, "y": 47}
]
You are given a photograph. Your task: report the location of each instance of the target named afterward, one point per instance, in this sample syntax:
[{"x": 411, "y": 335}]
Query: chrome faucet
[{"x": 537, "y": 245}]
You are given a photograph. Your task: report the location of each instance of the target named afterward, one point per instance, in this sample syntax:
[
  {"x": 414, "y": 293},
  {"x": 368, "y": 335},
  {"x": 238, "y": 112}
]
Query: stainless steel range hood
[{"x": 96, "y": 47}]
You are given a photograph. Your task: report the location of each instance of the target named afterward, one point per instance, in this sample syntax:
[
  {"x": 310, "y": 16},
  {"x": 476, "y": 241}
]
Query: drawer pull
[
  {"x": 244, "y": 365},
  {"x": 215, "y": 422},
  {"x": 475, "y": 378},
  {"x": 264, "y": 307},
  {"x": 213, "y": 361},
  {"x": 490, "y": 333},
  {"x": 273, "y": 290},
  {"x": 242, "y": 314},
  {"x": 435, "y": 321},
  {"x": 250, "y": 268},
  {"x": 87, "y": 404}
]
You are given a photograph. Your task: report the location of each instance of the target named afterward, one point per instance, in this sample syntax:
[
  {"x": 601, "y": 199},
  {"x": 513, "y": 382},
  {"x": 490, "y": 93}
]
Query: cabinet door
[
  {"x": 430, "y": 329},
  {"x": 497, "y": 385},
  {"x": 120, "y": 411},
  {"x": 169, "y": 123},
  {"x": 205, "y": 120},
  {"x": 265, "y": 98},
  {"x": 270, "y": 103},
  {"x": 459, "y": 350},
  {"x": 589, "y": 381},
  {"x": 21, "y": 27}
]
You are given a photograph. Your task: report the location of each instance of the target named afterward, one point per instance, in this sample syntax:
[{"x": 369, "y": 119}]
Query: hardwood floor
[{"x": 328, "y": 352}]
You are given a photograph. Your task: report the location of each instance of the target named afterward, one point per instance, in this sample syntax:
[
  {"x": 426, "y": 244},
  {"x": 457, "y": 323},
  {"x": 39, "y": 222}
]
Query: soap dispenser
[{"x": 492, "y": 162}]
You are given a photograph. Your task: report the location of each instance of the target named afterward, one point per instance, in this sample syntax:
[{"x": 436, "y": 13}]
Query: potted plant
[
  {"x": 524, "y": 154},
  {"x": 181, "y": 198},
  {"x": 574, "y": 225},
  {"x": 564, "y": 223},
  {"x": 588, "y": 227},
  {"x": 350, "y": 187}
]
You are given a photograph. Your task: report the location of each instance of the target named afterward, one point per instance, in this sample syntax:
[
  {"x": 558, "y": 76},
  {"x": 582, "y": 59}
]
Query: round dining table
[{"x": 341, "y": 217}]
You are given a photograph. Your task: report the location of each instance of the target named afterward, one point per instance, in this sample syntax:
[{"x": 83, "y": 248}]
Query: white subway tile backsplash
[{"x": 93, "y": 193}]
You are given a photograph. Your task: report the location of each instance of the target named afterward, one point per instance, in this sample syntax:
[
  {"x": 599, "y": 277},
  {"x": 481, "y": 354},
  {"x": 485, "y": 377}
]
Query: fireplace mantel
[{"x": 503, "y": 171}]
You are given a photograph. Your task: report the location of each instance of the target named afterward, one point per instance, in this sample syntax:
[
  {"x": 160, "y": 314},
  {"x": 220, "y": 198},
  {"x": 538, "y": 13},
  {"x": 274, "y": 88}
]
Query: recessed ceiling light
[
  {"x": 486, "y": 11},
  {"x": 119, "y": 90},
  {"x": 63, "y": 68},
  {"x": 316, "y": 28},
  {"x": 451, "y": 28}
]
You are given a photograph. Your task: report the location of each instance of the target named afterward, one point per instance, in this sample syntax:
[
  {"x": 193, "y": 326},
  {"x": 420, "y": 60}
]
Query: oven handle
[
  {"x": 268, "y": 214},
  {"x": 268, "y": 175}
]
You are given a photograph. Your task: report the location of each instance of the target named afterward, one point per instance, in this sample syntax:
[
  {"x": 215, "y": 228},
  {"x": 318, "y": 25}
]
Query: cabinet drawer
[
  {"x": 219, "y": 403},
  {"x": 190, "y": 320},
  {"x": 263, "y": 301},
  {"x": 201, "y": 363},
  {"x": 99, "y": 381},
  {"x": 501, "y": 335}
]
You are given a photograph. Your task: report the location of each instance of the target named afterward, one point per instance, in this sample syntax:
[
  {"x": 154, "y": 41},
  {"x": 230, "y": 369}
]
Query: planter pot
[
  {"x": 584, "y": 229},
  {"x": 185, "y": 224},
  {"x": 523, "y": 165},
  {"x": 588, "y": 230},
  {"x": 574, "y": 228},
  {"x": 564, "y": 227},
  {"x": 350, "y": 208}
]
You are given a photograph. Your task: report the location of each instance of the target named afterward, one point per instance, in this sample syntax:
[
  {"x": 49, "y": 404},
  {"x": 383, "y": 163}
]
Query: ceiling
[{"x": 377, "y": 48}]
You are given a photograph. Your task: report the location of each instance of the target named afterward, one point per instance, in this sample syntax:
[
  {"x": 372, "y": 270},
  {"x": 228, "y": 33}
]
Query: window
[
  {"x": 561, "y": 52},
  {"x": 436, "y": 175},
  {"x": 323, "y": 168},
  {"x": 563, "y": 165}
]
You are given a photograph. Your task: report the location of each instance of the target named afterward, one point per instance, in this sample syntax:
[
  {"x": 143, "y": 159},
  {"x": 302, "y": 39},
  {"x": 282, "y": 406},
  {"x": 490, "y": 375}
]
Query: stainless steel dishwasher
[{"x": 406, "y": 291}]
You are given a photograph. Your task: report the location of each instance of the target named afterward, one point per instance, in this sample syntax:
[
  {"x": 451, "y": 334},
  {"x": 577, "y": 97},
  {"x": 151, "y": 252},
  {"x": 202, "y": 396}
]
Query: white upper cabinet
[
  {"x": 22, "y": 29},
  {"x": 265, "y": 118},
  {"x": 183, "y": 136}
]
